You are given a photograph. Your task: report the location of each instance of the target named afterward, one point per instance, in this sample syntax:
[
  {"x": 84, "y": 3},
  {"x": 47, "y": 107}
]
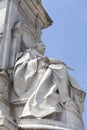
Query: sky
[{"x": 66, "y": 39}]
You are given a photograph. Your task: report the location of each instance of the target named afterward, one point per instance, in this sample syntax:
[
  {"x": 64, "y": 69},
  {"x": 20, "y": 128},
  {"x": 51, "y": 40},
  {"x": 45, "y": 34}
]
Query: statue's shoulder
[{"x": 56, "y": 62}]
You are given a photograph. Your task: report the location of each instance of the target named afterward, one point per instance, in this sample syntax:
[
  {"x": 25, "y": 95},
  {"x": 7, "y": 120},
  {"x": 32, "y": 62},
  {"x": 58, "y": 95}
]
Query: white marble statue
[
  {"x": 45, "y": 83},
  {"x": 36, "y": 92}
]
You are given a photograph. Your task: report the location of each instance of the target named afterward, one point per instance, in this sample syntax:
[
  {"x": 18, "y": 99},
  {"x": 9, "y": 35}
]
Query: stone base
[
  {"x": 44, "y": 124},
  {"x": 69, "y": 119},
  {"x": 7, "y": 124}
]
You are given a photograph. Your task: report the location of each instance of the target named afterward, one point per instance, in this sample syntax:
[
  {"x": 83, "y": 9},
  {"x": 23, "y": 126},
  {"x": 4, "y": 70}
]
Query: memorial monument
[{"x": 36, "y": 92}]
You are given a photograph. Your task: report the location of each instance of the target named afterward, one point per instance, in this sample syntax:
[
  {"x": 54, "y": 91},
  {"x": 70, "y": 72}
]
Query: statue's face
[{"x": 40, "y": 47}]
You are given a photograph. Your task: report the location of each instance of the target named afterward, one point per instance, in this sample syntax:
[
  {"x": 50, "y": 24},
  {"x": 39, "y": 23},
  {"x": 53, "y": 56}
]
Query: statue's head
[
  {"x": 27, "y": 38},
  {"x": 26, "y": 35},
  {"x": 40, "y": 47}
]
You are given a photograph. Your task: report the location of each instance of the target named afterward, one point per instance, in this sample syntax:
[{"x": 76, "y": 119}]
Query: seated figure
[{"x": 46, "y": 84}]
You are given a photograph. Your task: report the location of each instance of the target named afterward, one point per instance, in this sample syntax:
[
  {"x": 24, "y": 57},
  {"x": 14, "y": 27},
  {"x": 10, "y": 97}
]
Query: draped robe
[{"x": 46, "y": 82}]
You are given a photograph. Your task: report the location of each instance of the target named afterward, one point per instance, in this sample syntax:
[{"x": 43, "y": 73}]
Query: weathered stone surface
[
  {"x": 4, "y": 85},
  {"x": 45, "y": 125},
  {"x": 47, "y": 89},
  {"x": 36, "y": 92},
  {"x": 7, "y": 124},
  {"x": 3, "y": 5},
  {"x": 30, "y": 11}
]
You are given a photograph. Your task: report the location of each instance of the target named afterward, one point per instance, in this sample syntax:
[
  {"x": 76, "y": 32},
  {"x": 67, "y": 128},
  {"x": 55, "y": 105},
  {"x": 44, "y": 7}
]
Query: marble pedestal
[
  {"x": 44, "y": 124},
  {"x": 67, "y": 120}
]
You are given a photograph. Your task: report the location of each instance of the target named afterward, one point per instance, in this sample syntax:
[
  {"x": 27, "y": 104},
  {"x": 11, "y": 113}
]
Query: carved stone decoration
[
  {"x": 4, "y": 85},
  {"x": 36, "y": 92},
  {"x": 30, "y": 11},
  {"x": 47, "y": 88},
  {"x": 22, "y": 38},
  {"x": 6, "y": 120}
]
